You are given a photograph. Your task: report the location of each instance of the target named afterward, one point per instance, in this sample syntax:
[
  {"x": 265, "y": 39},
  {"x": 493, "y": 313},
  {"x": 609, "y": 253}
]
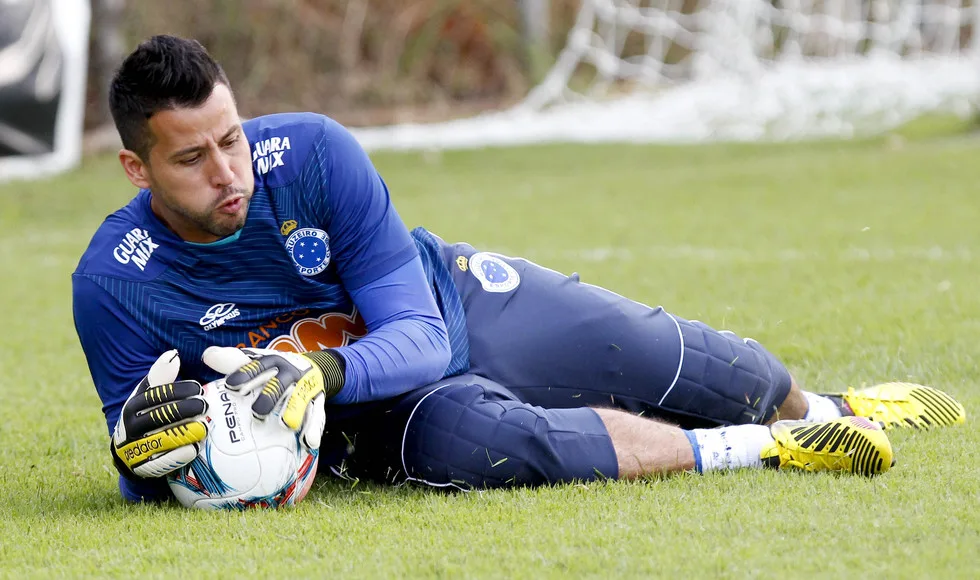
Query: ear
[{"x": 137, "y": 171}]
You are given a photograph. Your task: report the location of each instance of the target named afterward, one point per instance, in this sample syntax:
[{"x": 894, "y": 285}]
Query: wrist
[
  {"x": 332, "y": 367},
  {"x": 119, "y": 464}
]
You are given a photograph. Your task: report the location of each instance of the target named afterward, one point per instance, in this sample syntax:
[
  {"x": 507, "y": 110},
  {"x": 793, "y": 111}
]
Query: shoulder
[
  {"x": 127, "y": 245},
  {"x": 284, "y": 143}
]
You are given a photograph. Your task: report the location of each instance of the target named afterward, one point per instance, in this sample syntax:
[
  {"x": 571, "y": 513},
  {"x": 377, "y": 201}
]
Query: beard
[{"x": 209, "y": 220}]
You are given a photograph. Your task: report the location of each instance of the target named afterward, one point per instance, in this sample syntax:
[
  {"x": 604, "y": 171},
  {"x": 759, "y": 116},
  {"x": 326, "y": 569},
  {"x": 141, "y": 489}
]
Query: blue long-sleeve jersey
[{"x": 323, "y": 261}]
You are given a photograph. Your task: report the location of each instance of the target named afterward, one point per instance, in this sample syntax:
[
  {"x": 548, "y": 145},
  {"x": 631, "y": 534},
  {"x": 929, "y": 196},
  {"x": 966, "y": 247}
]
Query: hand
[
  {"x": 161, "y": 423},
  {"x": 303, "y": 381}
]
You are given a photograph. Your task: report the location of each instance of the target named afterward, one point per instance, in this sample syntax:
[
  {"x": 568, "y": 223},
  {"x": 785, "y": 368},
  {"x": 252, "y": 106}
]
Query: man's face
[{"x": 199, "y": 169}]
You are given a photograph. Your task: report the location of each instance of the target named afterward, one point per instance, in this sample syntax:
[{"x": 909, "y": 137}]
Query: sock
[
  {"x": 728, "y": 447},
  {"x": 821, "y": 408}
]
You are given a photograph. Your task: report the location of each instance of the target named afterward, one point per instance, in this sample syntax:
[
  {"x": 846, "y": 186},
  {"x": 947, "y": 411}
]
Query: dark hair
[{"x": 164, "y": 72}]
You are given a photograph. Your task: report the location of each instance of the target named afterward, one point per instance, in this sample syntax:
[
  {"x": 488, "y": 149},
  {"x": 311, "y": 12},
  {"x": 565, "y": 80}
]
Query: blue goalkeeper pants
[
  {"x": 545, "y": 349},
  {"x": 467, "y": 432},
  {"x": 557, "y": 342}
]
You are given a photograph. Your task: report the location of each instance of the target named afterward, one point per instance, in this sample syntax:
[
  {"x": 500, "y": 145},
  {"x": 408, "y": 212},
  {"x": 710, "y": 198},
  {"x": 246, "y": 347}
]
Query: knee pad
[
  {"x": 724, "y": 379},
  {"x": 475, "y": 437}
]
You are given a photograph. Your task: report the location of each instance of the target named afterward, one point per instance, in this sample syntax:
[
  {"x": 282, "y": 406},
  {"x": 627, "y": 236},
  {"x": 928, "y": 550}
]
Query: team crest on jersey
[
  {"x": 310, "y": 250},
  {"x": 494, "y": 274}
]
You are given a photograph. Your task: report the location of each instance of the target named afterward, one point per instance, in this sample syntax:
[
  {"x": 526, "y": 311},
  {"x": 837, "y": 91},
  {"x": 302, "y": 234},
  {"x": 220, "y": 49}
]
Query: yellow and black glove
[
  {"x": 302, "y": 381},
  {"x": 161, "y": 424}
]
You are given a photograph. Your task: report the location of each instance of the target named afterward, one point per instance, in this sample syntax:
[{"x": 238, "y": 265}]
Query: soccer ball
[{"x": 244, "y": 462}]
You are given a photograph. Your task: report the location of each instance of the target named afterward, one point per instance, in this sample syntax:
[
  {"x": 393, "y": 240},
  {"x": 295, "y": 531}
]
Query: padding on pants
[{"x": 473, "y": 436}]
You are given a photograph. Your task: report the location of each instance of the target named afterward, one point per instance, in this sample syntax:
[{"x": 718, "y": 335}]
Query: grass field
[{"x": 854, "y": 262}]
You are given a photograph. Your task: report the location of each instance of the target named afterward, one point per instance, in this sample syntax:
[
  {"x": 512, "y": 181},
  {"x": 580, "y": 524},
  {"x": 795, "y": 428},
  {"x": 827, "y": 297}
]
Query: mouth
[{"x": 232, "y": 205}]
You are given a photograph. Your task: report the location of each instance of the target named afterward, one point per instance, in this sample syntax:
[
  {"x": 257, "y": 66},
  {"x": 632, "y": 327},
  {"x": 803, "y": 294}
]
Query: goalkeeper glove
[
  {"x": 302, "y": 381},
  {"x": 161, "y": 424}
]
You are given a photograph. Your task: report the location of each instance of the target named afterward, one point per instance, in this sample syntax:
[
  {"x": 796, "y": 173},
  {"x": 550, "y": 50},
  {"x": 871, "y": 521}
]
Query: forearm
[{"x": 396, "y": 358}]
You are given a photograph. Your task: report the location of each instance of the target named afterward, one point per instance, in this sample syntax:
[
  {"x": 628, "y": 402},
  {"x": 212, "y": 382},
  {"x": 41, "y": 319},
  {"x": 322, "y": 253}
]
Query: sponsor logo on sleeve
[
  {"x": 494, "y": 274},
  {"x": 136, "y": 248},
  {"x": 218, "y": 315},
  {"x": 309, "y": 249},
  {"x": 268, "y": 154}
]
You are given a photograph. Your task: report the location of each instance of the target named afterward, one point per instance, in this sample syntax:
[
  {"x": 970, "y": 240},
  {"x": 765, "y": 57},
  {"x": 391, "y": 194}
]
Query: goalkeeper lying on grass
[{"x": 438, "y": 360}]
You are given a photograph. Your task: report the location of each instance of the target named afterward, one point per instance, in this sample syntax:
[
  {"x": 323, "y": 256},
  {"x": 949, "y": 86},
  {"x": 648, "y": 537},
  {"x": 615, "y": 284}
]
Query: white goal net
[{"x": 703, "y": 70}]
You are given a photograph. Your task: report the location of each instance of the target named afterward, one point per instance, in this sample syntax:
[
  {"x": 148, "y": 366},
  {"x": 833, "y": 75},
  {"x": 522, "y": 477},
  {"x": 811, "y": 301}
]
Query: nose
[{"x": 221, "y": 172}]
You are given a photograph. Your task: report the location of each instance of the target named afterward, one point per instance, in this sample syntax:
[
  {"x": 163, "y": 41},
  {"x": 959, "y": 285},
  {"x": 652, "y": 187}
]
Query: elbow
[
  {"x": 148, "y": 491},
  {"x": 434, "y": 350},
  {"x": 442, "y": 351}
]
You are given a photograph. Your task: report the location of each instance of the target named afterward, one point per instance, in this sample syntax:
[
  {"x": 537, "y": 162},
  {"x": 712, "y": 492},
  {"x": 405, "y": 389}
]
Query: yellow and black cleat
[
  {"x": 902, "y": 405},
  {"x": 851, "y": 444}
]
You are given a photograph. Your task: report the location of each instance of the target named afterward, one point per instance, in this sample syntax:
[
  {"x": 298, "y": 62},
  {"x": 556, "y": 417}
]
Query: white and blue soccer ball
[{"x": 244, "y": 462}]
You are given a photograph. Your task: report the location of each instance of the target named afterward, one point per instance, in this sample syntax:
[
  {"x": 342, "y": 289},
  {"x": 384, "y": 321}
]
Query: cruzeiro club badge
[
  {"x": 310, "y": 250},
  {"x": 494, "y": 274}
]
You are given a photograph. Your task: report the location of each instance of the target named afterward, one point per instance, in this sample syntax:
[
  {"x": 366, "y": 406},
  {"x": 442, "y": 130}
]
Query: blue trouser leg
[
  {"x": 470, "y": 433},
  {"x": 559, "y": 343},
  {"x": 543, "y": 348}
]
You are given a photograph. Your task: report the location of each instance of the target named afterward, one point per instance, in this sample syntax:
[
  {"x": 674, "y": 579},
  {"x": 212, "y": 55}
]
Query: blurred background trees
[
  {"x": 378, "y": 62},
  {"x": 360, "y": 61}
]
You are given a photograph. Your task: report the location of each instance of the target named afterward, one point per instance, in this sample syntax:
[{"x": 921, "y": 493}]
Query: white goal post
[
  {"x": 735, "y": 70},
  {"x": 43, "y": 59}
]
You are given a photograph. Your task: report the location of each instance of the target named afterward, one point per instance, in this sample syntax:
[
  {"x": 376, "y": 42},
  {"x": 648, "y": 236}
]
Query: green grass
[{"x": 855, "y": 262}]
